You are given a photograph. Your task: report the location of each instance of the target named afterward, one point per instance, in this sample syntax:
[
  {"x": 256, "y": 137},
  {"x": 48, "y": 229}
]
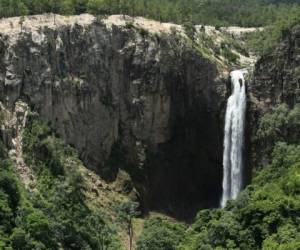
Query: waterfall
[{"x": 234, "y": 138}]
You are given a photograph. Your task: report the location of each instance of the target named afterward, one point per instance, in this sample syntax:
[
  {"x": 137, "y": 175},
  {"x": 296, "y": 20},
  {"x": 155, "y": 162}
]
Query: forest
[{"x": 248, "y": 13}]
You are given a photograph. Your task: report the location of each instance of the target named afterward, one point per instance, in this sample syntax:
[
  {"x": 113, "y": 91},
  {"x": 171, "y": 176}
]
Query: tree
[
  {"x": 18, "y": 239},
  {"x": 126, "y": 212},
  {"x": 67, "y": 7},
  {"x": 96, "y": 6},
  {"x": 102, "y": 232},
  {"x": 160, "y": 234},
  {"x": 80, "y": 6},
  {"x": 12, "y": 8}
]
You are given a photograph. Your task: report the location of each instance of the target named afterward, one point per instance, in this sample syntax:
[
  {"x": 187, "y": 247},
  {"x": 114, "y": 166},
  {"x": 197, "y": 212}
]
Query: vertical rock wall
[
  {"x": 146, "y": 103},
  {"x": 276, "y": 80}
]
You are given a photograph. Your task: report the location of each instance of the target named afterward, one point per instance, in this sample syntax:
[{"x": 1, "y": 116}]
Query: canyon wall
[
  {"x": 125, "y": 98},
  {"x": 276, "y": 80}
]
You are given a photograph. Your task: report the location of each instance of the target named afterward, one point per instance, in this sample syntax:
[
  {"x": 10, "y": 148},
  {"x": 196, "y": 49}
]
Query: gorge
[
  {"x": 101, "y": 116},
  {"x": 145, "y": 103}
]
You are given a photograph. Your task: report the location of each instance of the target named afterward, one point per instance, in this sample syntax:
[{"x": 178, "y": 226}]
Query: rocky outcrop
[
  {"x": 124, "y": 97},
  {"x": 277, "y": 75},
  {"x": 11, "y": 132},
  {"x": 276, "y": 80}
]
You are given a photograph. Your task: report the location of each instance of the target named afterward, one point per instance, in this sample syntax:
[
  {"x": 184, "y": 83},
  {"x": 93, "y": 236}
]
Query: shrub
[
  {"x": 189, "y": 29},
  {"x": 143, "y": 32},
  {"x": 229, "y": 55},
  {"x": 129, "y": 25},
  {"x": 159, "y": 234}
]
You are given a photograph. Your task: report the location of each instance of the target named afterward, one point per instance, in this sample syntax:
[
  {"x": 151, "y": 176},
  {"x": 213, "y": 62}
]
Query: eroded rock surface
[
  {"x": 124, "y": 97},
  {"x": 276, "y": 80}
]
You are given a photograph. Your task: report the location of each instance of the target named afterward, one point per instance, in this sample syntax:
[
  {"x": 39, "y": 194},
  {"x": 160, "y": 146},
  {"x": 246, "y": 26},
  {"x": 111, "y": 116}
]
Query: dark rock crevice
[{"x": 185, "y": 173}]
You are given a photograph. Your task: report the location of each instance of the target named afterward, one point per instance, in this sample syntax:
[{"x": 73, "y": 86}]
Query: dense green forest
[{"x": 214, "y": 12}]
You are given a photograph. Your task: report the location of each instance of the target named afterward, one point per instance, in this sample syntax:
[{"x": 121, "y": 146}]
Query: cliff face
[
  {"x": 276, "y": 80},
  {"x": 277, "y": 75},
  {"x": 125, "y": 98}
]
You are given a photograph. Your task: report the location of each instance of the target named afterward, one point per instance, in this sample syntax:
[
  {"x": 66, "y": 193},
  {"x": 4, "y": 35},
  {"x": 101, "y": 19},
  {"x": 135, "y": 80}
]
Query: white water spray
[{"x": 234, "y": 138}]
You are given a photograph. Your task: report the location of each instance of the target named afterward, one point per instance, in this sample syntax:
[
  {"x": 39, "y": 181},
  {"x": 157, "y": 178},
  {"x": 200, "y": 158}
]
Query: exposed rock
[
  {"x": 124, "y": 98},
  {"x": 12, "y": 131},
  {"x": 276, "y": 80},
  {"x": 239, "y": 32},
  {"x": 277, "y": 75}
]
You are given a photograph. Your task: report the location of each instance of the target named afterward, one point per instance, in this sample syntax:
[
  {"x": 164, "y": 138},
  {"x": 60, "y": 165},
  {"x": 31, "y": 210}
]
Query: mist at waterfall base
[{"x": 234, "y": 138}]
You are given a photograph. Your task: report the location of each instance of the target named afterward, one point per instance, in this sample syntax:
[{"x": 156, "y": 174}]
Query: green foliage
[
  {"x": 273, "y": 125},
  {"x": 279, "y": 124},
  {"x": 12, "y": 8},
  {"x": 228, "y": 54},
  {"x": 126, "y": 211},
  {"x": 159, "y": 234},
  {"x": 262, "y": 42},
  {"x": 232, "y": 12},
  {"x": 54, "y": 215},
  {"x": 9, "y": 194},
  {"x": 221, "y": 229},
  {"x": 143, "y": 32},
  {"x": 189, "y": 29},
  {"x": 129, "y": 25},
  {"x": 265, "y": 215},
  {"x": 61, "y": 189},
  {"x": 18, "y": 238},
  {"x": 41, "y": 146},
  {"x": 287, "y": 238}
]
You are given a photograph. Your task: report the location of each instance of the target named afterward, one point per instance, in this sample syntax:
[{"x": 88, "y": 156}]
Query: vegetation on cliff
[
  {"x": 54, "y": 213},
  {"x": 263, "y": 41}
]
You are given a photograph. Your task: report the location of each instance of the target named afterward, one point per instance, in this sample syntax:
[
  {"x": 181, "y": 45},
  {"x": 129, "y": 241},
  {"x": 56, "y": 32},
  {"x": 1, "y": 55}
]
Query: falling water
[{"x": 234, "y": 138}]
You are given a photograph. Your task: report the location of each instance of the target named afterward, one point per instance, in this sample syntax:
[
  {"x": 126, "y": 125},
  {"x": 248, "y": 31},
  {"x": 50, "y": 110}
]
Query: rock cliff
[
  {"x": 277, "y": 75},
  {"x": 276, "y": 80},
  {"x": 127, "y": 96}
]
